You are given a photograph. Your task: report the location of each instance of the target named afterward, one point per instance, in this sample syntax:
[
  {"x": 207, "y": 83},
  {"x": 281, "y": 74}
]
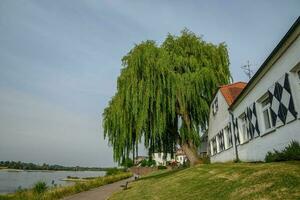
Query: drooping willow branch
[{"x": 161, "y": 85}]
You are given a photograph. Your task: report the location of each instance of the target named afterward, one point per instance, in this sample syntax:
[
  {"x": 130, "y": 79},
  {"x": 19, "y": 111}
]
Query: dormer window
[{"x": 215, "y": 106}]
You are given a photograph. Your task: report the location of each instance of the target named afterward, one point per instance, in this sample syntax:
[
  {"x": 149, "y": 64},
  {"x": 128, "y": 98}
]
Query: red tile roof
[{"x": 231, "y": 91}]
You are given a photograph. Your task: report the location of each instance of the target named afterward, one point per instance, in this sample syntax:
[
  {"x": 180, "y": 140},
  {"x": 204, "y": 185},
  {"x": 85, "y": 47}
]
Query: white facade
[
  {"x": 282, "y": 67},
  {"x": 160, "y": 160},
  {"x": 219, "y": 121}
]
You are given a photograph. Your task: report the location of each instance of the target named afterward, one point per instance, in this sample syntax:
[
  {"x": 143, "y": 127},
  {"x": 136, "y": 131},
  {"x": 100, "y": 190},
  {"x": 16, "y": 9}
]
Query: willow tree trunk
[
  {"x": 188, "y": 147},
  {"x": 191, "y": 153}
]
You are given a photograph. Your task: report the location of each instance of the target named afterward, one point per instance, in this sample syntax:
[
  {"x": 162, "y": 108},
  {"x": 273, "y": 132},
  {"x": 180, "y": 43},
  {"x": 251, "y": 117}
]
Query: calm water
[{"x": 11, "y": 180}]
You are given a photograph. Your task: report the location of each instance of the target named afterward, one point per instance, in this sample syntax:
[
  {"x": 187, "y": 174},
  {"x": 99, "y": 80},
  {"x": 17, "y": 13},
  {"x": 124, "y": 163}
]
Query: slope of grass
[
  {"x": 220, "y": 181},
  {"x": 60, "y": 192}
]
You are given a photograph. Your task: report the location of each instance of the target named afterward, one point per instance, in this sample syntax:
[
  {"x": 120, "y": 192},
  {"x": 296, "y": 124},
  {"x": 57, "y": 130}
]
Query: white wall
[
  {"x": 256, "y": 149},
  {"x": 218, "y": 122},
  {"x": 159, "y": 158},
  {"x": 224, "y": 156}
]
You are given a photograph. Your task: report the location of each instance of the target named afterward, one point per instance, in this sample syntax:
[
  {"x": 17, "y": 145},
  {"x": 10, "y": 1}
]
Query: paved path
[{"x": 100, "y": 193}]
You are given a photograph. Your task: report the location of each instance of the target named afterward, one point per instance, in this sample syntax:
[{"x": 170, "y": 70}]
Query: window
[
  {"x": 227, "y": 137},
  {"x": 215, "y": 106},
  {"x": 213, "y": 145},
  {"x": 266, "y": 113},
  {"x": 211, "y": 148},
  {"x": 243, "y": 129}
]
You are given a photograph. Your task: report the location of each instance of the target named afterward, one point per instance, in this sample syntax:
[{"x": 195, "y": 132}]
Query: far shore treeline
[{"x": 32, "y": 166}]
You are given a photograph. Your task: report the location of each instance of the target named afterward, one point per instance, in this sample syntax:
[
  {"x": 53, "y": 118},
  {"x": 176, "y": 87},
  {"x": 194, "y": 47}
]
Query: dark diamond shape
[
  {"x": 274, "y": 117},
  {"x": 256, "y": 127},
  {"x": 286, "y": 83},
  {"x": 282, "y": 113},
  {"x": 292, "y": 107},
  {"x": 254, "y": 110},
  {"x": 278, "y": 91}
]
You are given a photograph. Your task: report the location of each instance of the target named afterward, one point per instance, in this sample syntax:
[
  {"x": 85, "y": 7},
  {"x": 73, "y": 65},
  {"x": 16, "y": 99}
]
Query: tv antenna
[{"x": 247, "y": 70}]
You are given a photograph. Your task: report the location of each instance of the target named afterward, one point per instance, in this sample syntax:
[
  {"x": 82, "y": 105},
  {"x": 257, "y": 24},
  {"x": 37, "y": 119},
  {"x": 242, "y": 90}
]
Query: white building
[
  {"x": 161, "y": 159},
  {"x": 180, "y": 157},
  {"x": 264, "y": 116}
]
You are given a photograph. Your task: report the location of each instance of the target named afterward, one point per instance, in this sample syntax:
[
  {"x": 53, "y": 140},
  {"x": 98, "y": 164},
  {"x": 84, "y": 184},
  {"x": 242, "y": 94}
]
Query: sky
[{"x": 59, "y": 61}]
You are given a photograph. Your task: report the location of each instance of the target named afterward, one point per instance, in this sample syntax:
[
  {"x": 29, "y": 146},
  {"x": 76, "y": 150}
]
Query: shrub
[
  {"x": 127, "y": 162},
  {"x": 161, "y": 167},
  {"x": 40, "y": 187},
  {"x": 113, "y": 171},
  {"x": 291, "y": 152},
  {"x": 148, "y": 163},
  {"x": 144, "y": 163},
  {"x": 151, "y": 163}
]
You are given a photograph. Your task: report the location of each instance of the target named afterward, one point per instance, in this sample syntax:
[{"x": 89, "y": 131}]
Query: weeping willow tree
[{"x": 163, "y": 95}]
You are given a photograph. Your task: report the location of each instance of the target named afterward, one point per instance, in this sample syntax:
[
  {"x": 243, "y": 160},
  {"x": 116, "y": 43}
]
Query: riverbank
[
  {"x": 219, "y": 181},
  {"x": 63, "y": 191}
]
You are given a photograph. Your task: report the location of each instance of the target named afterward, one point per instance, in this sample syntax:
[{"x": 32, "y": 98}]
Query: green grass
[
  {"x": 60, "y": 192},
  {"x": 220, "y": 181}
]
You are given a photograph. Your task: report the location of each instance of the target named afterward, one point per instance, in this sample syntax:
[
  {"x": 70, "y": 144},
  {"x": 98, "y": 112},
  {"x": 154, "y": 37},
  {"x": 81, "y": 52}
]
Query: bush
[
  {"x": 148, "y": 163},
  {"x": 161, "y": 167},
  {"x": 144, "y": 163},
  {"x": 127, "y": 162},
  {"x": 113, "y": 171},
  {"x": 40, "y": 187},
  {"x": 291, "y": 152}
]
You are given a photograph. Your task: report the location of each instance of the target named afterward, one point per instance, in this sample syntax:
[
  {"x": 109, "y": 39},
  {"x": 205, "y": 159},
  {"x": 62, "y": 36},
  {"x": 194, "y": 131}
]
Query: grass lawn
[{"x": 219, "y": 181}]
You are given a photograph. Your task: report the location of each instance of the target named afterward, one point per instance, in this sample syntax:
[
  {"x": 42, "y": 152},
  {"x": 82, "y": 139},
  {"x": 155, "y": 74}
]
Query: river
[{"x": 11, "y": 180}]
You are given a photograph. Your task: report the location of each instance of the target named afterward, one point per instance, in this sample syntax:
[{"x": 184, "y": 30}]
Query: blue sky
[{"x": 59, "y": 61}]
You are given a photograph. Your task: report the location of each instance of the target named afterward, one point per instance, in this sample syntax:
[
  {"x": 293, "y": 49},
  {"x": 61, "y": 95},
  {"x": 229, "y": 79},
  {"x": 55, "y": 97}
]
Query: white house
[
  {"x": 180, "y": 157},
  {"x": 264, "y": 116},
  {"x": 219, "y": 129},
  {"x": 161, "y": 159}
]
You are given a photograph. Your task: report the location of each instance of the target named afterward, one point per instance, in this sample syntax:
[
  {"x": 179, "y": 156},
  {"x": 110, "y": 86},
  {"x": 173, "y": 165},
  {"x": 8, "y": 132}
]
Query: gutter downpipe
[{"x": 234, "y": 136}]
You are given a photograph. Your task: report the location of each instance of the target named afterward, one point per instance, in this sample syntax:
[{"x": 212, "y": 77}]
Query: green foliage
[
  {"x": 160, "y": 86},
  {"x": 148, "y": 163},
  {"x": 144, "y": 163},
  {"x": 161, "y": 167},
  {"x": 291, "y": 152},
  {"x": 127, "y": 162},
  {"x": 40, "y": 187},
  {"x": 113, "y": 171},
  {"x": 151, "y": 163}
]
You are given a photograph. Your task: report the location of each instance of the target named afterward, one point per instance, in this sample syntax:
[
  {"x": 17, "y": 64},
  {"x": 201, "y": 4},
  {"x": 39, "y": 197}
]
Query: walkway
[{"x": 100, "y": 193}]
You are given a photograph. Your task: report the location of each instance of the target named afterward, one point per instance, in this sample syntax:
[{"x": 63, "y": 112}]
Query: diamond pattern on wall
[
  {"x": 282, "y": 104},
  {"x": 253, "y": 128},
  {"x": 235, "y": 130}
]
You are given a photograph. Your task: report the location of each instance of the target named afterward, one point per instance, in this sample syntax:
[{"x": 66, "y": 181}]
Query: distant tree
[{"x": 163, "y": 95}]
